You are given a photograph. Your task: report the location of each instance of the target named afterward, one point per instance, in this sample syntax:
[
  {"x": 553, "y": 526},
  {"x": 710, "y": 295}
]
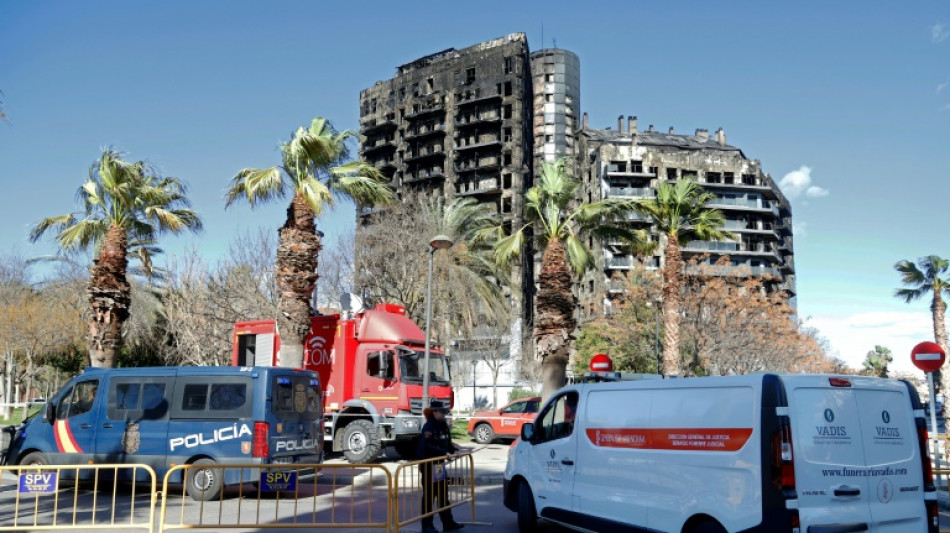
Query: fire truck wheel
[
  {"x": 202, "y": 482},
  {"x": 360, "y": 442},
  {"x": 527, "y": 516},
  {"x": 407, "y": 449},
  {"x": 484, "y": 433}
]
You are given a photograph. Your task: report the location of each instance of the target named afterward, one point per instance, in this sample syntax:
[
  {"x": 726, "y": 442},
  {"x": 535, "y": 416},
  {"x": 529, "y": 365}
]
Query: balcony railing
[{"x": 636, "y": 192}]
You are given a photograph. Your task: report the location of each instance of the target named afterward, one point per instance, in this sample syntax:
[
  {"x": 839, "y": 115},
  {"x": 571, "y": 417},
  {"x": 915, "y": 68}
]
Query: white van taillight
[
  {"x": 922, "y": 438},
  {"x": 933, "y": 516},
  {"x": 783, "y": 458},
  {"x": 796, "y": 523},
  {"x": 839, "y": 382},
  {"x": 260, "y": 447}
]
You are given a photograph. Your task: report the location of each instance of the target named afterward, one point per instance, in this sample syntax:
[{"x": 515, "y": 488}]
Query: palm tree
[
  {"x": 314, "y": 169},
  {"x": 679, "y": 213},
  {"x": 560, "y": 225},
  {"x": 125, "y": 207},
  {"x": 929, "y": 278}
]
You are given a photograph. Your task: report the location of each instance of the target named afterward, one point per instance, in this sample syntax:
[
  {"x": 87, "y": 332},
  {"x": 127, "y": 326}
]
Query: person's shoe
[
  {"x": 452, "y": 526},
  {"x": 429, "y": 529}
]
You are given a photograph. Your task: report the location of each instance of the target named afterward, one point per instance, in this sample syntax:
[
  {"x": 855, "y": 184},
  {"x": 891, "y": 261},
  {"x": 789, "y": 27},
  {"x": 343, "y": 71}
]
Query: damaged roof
[{"x": 657, "y": 138}]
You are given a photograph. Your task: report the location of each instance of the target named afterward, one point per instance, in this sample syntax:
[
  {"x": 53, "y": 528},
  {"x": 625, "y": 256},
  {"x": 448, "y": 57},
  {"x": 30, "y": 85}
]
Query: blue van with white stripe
[{"x": 167, "y": 416}]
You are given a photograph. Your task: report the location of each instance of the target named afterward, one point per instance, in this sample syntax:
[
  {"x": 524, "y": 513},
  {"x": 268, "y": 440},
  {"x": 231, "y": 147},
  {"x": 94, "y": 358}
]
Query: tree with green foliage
[
  {"x": 679, "y": 213},
  {"x": 875, "y": 364},
  {"x": 560, "y": 226},
  {"x": 316, "y": 172},
  {"x": 125, "y": 207}
]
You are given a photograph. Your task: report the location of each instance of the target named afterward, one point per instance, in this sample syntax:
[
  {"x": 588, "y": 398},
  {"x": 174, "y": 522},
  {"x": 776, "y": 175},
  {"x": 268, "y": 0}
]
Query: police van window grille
[
  {"x": 227, "y": 397},
  {"x": 194, "y": 398}
]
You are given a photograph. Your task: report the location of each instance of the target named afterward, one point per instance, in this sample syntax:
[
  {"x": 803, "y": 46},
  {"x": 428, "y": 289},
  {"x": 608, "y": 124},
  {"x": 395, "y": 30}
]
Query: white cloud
[
  {"x": 852, "y": 337},
  {"x": 942, "y": 86},
  {"x": 798, "y": 182},
  {"x": 800, "y": 229},
  {"x": 939, "y": 33}
]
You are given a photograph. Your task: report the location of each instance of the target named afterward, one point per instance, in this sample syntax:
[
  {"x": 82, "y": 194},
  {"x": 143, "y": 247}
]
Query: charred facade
[
  {"x": 457, "y": 123},
  {"x": 629, "y": 163}
]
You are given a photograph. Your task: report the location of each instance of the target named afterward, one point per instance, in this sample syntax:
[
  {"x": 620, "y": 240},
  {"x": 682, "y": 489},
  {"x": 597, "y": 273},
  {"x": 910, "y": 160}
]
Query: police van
[
  {"x": 167, "y": 416},
  {"x": 755, "y": 453}
]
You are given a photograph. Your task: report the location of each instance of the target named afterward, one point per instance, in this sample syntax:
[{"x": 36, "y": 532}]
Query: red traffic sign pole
[{"x": 929, "y": 357}]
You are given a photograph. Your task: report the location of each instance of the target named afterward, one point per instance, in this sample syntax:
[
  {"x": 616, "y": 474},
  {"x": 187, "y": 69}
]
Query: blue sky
[{"x": 846, "y": 103}]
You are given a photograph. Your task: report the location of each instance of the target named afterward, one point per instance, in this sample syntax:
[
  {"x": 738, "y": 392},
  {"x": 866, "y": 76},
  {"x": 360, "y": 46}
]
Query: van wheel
[
  {"x": 202, "y": 482},
  {"x": 484, "y": 433},
  {"x": 708, "y": 527},
  {"x": 360, "y": 442},
  {"x": 527, "y": 516},
  {"x": 34, "y": 459}
]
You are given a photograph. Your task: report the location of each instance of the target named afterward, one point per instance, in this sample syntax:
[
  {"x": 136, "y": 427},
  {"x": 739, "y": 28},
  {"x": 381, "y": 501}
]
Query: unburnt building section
[
  {"x": 556, "y": 75},
  {"x": 628, "y": 163},
  {"x": 457, "y": 123}
]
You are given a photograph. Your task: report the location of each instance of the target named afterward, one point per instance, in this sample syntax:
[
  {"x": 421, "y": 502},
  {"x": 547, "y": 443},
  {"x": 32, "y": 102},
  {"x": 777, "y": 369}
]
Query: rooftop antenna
[
  {"x": 553, "y": 43},
  {"x": 542, "y": 35}
]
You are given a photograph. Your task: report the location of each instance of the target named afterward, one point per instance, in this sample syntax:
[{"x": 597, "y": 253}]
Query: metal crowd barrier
[
  {"x": 55, "y": 498},
  {"x": 408, "y": 491},
  {"x": 283, "y": 497}
]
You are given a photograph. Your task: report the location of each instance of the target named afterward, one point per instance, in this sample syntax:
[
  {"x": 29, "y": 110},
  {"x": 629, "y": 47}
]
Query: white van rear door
[
  {"x": 891, "y": 454},
  {"x": 828, "y": 448}
]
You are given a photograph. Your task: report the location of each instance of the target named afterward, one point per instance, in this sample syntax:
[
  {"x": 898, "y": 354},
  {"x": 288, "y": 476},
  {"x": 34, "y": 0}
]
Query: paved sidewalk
[{"x": 489, "y": 461}]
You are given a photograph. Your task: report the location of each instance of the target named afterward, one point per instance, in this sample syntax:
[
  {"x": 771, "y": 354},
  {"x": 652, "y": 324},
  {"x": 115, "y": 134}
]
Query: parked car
[{"x": 504, "y": 423}]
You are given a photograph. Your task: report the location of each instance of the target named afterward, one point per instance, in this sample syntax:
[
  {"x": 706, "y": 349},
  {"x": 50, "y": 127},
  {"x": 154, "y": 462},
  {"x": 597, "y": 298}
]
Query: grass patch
[
  {"x": 460, "y": 431},
  {"x": 16, "y": 417}
]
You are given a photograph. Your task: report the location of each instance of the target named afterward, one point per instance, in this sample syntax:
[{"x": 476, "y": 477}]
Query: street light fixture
[{"x": 439, "y": 242}]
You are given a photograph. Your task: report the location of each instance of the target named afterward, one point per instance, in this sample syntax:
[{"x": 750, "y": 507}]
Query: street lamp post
[{"x": 439, "y": 242}]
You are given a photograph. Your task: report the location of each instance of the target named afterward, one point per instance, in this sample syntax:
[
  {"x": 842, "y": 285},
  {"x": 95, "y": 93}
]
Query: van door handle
[
  {"x": 85, "y": 426},
  {"x": 107, "y": 426},
  {"x": 847, "y": 491},
  {"x": 854, "y": 527},
  {"x": 567, "y": 462}
]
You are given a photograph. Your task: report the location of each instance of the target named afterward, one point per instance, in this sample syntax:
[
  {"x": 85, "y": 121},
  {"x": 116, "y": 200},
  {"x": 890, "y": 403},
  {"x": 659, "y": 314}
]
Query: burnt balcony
[
  {"x": 493, "y": 145},
  {"x": 423, "y": 175},
  {"x": 369, "y": 126},
  {"x": 486, "y": 186},
  {"x": 486, "y": 163},
  {"x": 627, "y": 171},
  {"x": 476, "y": 97},
  {"x": 425, "y": 153},
  {"x": 425, "y": 110},
  {"x": 425, "y": 130},
  {"x": 384, "y": 164},
  {"x": 478, "y": 118},
  {"x": 378, "y": 146},
  {"x": 632, "y": 192}
]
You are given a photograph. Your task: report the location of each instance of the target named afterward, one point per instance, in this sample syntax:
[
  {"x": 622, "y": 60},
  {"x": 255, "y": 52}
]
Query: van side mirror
[
  {"x": 384, "y": 360},
  {"x": 50, "y": 412},
  {"x": 527, "y": 432}
]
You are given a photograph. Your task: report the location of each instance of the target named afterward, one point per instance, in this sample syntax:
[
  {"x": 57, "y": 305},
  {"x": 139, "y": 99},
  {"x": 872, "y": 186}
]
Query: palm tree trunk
[
  {"x": 672, "y": 279},
  {"x": 110, "y": 297},
  {"x": 554, "y": 320},
  {"x": 939, "y": 310},
  {"x": 296, "y": 275}
]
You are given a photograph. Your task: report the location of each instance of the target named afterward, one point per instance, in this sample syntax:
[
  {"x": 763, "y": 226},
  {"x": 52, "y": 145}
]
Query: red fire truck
[{"x": 371, "y": 366}]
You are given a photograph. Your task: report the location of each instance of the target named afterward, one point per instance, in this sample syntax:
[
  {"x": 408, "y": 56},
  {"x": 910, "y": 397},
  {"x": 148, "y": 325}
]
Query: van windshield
[
  {"x": 411, "y": 365},
  {"x": 297, "y": 398}
]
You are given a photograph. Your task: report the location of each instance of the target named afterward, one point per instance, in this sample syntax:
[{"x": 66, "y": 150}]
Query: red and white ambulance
[{"x": 755, "y": 453}]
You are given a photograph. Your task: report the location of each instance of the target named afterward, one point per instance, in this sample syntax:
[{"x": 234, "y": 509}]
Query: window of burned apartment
[
  {"x": 506, "y": 205},
  {"x": 506, "y": 181},
  {"x": 713, "y": 177},
  {"x": 636, "y": 166},
  {"x": 507, "y": 158},
  {"x": 470, "y": 75},
  {"x": 373, "y": 105},
  {"x": 654, "y": 171},
  {"x": 507, "y": 111},
  {"x": 690, "y": 174},
  {"x": 748, "y": 179},
  {"x": 507, "y": 135},
  {"x": 671, "y": 173},
  {"x": 415, "y": 89},
  {"x": 508, "y": 65},
  {"x": 728, "y": 177},
  {"x": 507, "y": 88},
  {"x": 430, "y": 84},
  {"x": 402, "y": 92}
]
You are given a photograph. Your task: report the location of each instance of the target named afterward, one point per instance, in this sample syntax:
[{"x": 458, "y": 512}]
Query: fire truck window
[{"x": 380, "y": 365}]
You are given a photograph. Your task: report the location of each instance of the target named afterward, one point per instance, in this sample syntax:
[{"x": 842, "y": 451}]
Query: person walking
[{"x": 436, "y": 441}]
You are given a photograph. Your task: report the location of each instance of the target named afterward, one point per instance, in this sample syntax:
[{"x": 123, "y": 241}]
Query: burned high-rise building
[{"x": 457, "y": 123}]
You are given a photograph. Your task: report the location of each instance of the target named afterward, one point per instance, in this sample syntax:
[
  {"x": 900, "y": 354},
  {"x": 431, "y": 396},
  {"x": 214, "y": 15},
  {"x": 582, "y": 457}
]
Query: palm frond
[
  {"x": 507, "y": 249},
  {"x": 909, "y": 295},
  {"x": 316, "y": 194},
  {"x": 257, "y": 185},
  {"x": 578, "y": 255}
]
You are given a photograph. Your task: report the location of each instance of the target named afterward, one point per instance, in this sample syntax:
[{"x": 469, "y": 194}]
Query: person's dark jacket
[{"x": 435, "y": 439}]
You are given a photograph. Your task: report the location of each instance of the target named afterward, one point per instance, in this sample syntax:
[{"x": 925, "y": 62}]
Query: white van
[{"x": 764, "y": 453}]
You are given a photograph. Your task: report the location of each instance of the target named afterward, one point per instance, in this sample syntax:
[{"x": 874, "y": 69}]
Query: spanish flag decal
[{"x": 65, "y": 442}]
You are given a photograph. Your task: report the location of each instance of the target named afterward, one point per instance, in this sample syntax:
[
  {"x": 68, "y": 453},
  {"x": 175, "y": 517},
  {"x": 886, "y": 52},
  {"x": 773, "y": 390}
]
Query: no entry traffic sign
[{"x": 928, "y": 356}]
